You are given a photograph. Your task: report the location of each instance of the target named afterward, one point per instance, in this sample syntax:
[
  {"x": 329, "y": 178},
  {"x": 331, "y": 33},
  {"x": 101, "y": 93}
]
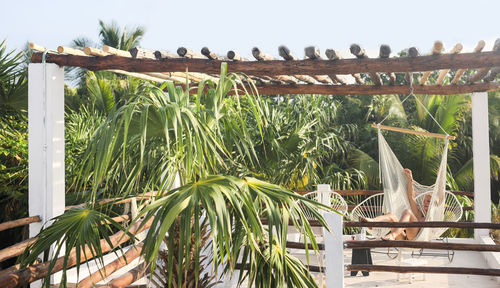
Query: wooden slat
[
  {"x": 300, "y": 245},
  {"x": 409, "y": 131},
  {"x": 30, "y": 274},
  {"x": 19, "y": 222},
  {"x": 479, "y": 47},
  {"x": 384, "y": 53},
  {"x": 320, "y": 67},
  {"x": 436, "y": 50},
  {"x": 421, "y": 244},
  {"x": 481, "y": 73},
  {"x": 423, "y": 269},
  {"x": 360, "y": 53},
  {"x": 458, "y": 47},
  {"x": 130, "y": 277}
]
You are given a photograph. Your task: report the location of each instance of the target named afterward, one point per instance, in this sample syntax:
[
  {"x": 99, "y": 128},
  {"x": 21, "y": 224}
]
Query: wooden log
[
  {"x": 492, "y": 75},
  {"x": 385, "y": 52},
  {"x": 36, "y": 47},
  {"x": 313, "y": 53},
  {"x": 300, "y": 245},
  {"x": 30, "y": 274},
  {"x": 332, "y": 54},
  {"x": 423, "y": 269},
  {"x": 436, "y": 50},
  {"x": 360, "y": 53},
  {"x": 415, "y": 132},
  {"x": 286, "y": 54},
  {"x": 19, "y": 222},
  {"x": 261, "y": 56},
  {"x": 421, "y": 244},
  {"x": 232, "y": 55},
  {"x": 141, "y": 53},
  {"x": 143, "y": 196},
  {"x": 129, "y": 277},
  {"x": 479, "y": 47},
  {"x": 443, "y": 72},
  {"x": 276, "y": 67},
  {"x": 112, "y": 267},
  {"x": 16, "y": 249},
  {"x": 94, "y": 51},
  {"x": 481, "y": 73},
  {"x": 70, "y": 51},
  {"x": 164, "y": 54},
  {"x": 428, "y": 224},
  {"x": 114, "y": 51},
  {"x": 412, "y": 52},
  {"x": 209, "y": 54},
  {"x": 188, "y": 53}
]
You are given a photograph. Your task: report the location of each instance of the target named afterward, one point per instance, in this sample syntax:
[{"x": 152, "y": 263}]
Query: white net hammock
[{"x": 395, "y": 183}]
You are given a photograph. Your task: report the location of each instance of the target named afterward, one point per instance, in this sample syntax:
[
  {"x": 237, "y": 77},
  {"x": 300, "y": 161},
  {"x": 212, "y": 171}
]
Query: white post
[
  {"x": 324, "y": 194},
  {"x": 334, "y": 251},
  {"x": 45, "y": 143},
  {"x": 481, "y": 154}
]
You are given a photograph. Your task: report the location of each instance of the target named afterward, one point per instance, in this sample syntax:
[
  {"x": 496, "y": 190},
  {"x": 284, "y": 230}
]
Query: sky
[{"x": 224, "y": 25}]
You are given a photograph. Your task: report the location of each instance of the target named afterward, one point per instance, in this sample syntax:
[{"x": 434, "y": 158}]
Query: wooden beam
[
  {"x": 114, "y": 51},
  {"x": 313, "y": 53},
  {"x": 443, "y": 72},
  {"x": 16, "y": 249},
  {"x": 428, "y": 224},
  {"x": 423, "y": 269},
  {"x": 373, "y": 192},
  {"x": 130, "y": 277},
  {"x": 164, "y": 54},
  {"x": 71, "y": 51},
  {"x": 300, "y": 245},
  {"x": 261, "y": 56},
  {"x": 19, "y": 222},
  {"x": 421, "y": 244},
  {"x": 333, "y": 55},
  {"x": 479, "y": 47},
  {"x": 360, "y": 53},
  {"x": 415, "y": 132},
  {"x": 373, "y": 90},
  {"x": 276, "y": 67},
  {"x": 286, "y": 54},
  {"x": 91, "y": 51}
]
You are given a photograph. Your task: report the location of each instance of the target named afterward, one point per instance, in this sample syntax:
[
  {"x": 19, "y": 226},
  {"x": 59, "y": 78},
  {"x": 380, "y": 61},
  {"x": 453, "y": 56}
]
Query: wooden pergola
[{"x": 317, "y": 74}]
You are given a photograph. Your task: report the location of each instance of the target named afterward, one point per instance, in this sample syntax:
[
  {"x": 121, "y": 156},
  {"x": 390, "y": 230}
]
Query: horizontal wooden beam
[
  {"x": 16, "y": 249},
  {"x": 415, "y": 132},
  {"x": 373, "y": 192},
  {"x": 420, "y": 244},
  {"x": 19, "y": 222},
  {"x": 374, "y": 90},
  {"x": 423, "y": 269},
  {"x": 277, "y": 67},
  {"x": 300, "y": 245},
  {"x": 429, "y": 224}
]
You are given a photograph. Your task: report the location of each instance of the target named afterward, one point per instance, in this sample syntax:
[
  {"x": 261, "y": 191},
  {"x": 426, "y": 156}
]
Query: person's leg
[
  {"x": 389, "y": 217},
  {"x": 398, "y": 233}
]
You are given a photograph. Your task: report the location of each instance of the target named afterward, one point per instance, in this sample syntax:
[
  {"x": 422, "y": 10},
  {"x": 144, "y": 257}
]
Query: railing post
[
  {"x": 481, "y": 161},
  {"x": 334, "y": 251},
  {"x": 45, "y": 144},
  {"x": 324, "y": 194}
]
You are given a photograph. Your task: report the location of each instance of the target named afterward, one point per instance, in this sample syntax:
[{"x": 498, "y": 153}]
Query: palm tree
[
  {"x": 112, "y": 35},
  {"x": 143, "y": 145}
]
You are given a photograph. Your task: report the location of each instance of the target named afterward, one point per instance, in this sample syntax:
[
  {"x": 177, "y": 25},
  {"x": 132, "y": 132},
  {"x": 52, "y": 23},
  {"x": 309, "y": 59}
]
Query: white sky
[{"x": 224, "y": 25}]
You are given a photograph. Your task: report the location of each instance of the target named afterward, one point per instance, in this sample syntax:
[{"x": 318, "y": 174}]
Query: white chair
[
  {"x": 332, "y": 199},
  {"x": 371, "y": 207}
]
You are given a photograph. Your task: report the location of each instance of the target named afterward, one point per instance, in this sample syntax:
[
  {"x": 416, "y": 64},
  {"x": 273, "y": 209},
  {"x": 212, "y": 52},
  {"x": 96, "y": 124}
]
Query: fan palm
[
  {"x": 143, "y": 145},
  {"x": 112, "y": 35}
]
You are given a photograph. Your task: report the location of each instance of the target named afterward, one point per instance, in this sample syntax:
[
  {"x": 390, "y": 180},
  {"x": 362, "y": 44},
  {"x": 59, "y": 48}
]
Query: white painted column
[
  {"x": 334, "y": 251},
  {"x": 481, "y": 154},
  {"x": 45, "y": 143}
]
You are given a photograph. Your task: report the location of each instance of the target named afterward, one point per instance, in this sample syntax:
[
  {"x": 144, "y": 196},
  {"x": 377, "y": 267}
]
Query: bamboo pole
[
  {"x": 409, "y": 131},
  {"x": 423, "y": 269},
  {"x": 479, "y": 47},
  {"x": 112, "y": 267},
  {"x": 19, "y": 222},
  {"x": 458, "y": 47},
  {"x": 421, "y": 244},
  {"x": 30, "y": 274}
]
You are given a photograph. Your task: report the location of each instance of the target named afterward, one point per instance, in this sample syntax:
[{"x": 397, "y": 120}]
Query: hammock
[{"x": 395, "y": 183}]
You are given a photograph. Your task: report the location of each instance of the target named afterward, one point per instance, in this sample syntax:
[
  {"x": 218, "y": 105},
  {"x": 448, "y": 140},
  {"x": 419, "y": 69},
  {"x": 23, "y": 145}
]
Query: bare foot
[
  {"x": 366, "y": 220},
  {"x": 388, "y": 237}
]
